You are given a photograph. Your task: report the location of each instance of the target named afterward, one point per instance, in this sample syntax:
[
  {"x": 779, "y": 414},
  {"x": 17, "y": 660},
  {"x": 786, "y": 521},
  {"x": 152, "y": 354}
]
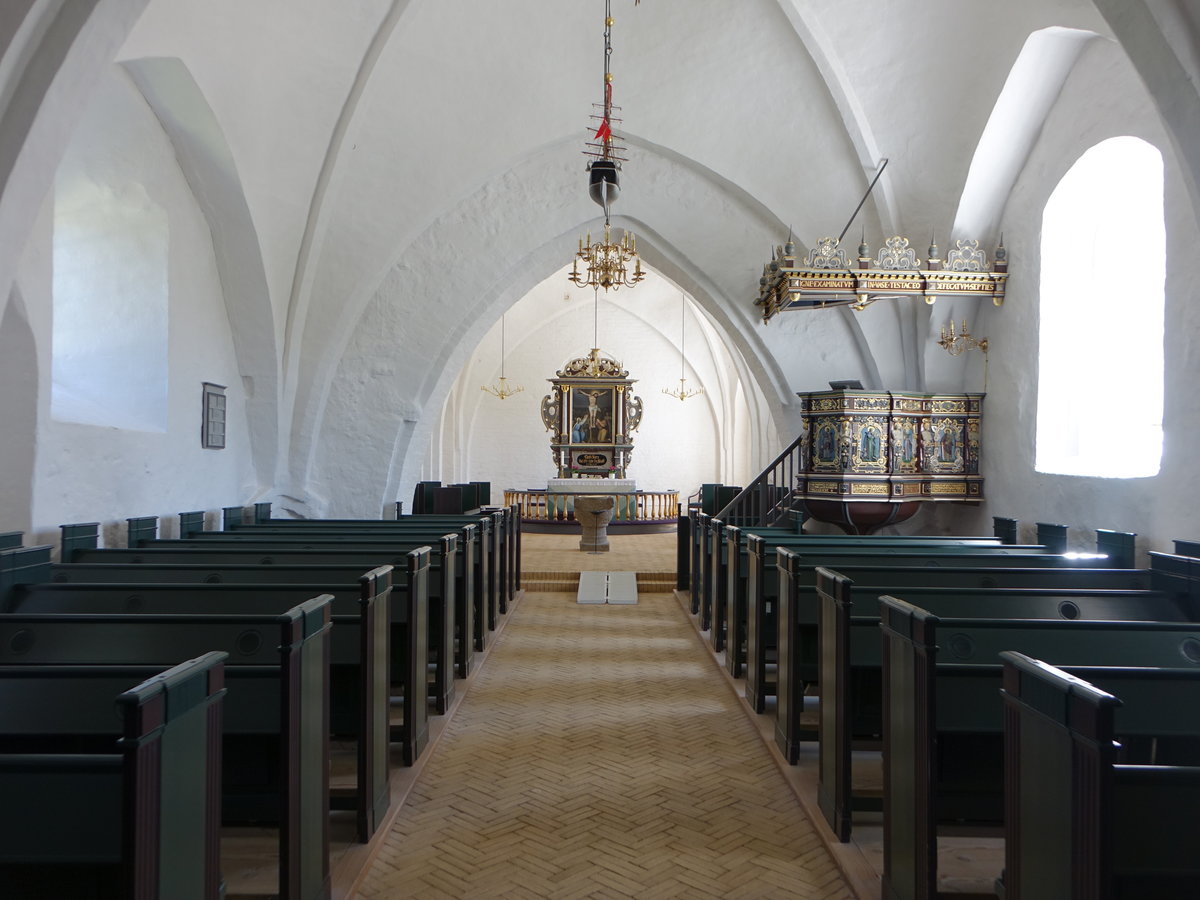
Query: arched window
[
  {"x": 1100, "y": 352},
  {"x": 110, "y": 308}
]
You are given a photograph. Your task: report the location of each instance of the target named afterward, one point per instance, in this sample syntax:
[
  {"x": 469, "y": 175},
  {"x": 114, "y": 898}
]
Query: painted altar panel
[{"x": 591, "y": 415}]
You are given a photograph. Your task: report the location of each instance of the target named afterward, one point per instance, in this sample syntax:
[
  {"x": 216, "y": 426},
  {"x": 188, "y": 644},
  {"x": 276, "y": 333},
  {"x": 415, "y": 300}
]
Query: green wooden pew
[
  {"x": 375, "y": 533},
  {"x": 441, "y": 640},
  {"x": 707, "y": 502},
  {"x": 79, "y": 545},
  {"x": 851, "y": 676},
  {"x": 754, "y": 586},
  {"x": 718, "y": 557},
  {"x": 473, "y": 568},
  {"x": 803, "y": 585},
  {"x": 506, "y": 548},
  {"x": 11, "y": 539},
  {"x": 275, "y": 744},
  {"x": 944, "y": 748},
  {"x": 790, "y": 630},
  {"x": 479, "y": 555},
  {"x": 710, "y": 575},
  {"x": 432, "y": 496},
  {"x": 1187, "y": 548},
  {"x": 748, "y": 585},
  {"x": 506, "y": 534},
  {"x": 443, "y": 637},
  {"x": 1079, "y": 821},
  {"x": 372, "y": 639},
  {"x": 498, "y": 529},
  {"x": 123, "y": 806}
]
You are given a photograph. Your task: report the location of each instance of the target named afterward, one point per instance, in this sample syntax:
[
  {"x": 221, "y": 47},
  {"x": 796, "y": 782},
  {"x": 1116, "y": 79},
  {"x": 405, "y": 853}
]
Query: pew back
[
  {"x": 935, "y": 708},
  {"x": 284, "y": 661},
  {"x": 1077, "y": 822},
  {"x": 141, "y": 788}
]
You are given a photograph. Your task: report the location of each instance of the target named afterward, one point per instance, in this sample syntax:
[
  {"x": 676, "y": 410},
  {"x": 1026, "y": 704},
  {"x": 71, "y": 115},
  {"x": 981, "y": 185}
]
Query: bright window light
[
  {"x": 110, "y": 308},
  {"x": 1100, "y": 356}
]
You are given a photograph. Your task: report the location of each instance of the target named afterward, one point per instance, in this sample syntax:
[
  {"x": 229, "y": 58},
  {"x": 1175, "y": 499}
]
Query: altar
[
  {"x": 591, "y": 415},
  {"x": 591, "y": 486}
]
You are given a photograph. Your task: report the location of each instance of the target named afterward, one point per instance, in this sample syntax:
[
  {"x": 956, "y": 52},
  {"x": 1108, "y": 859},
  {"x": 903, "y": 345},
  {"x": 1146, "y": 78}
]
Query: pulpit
[{"x": 870, "y": 458}]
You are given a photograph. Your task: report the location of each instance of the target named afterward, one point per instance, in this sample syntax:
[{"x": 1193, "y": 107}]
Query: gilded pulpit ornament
[
  {"x": 591, "y": 414},
  {"x": 824, "y": 277}
]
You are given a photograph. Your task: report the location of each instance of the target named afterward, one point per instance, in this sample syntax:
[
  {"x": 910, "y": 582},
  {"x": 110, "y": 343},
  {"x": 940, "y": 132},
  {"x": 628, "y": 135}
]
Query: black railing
[{"x": 768, "y": 499}]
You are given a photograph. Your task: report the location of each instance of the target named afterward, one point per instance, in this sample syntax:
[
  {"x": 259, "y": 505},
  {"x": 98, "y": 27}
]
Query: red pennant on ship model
[{"x": 604, "y": 132}]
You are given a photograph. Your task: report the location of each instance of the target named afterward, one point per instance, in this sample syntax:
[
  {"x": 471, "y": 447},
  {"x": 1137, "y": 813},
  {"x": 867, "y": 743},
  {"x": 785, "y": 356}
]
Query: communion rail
[{"x": 634, "y": 508}]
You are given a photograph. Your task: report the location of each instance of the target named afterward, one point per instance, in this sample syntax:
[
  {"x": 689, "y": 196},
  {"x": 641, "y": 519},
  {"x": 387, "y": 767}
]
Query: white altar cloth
[{"x": 591, "y": 485}]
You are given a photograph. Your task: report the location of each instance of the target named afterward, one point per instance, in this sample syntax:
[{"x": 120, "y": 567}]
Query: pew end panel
[
  {"x": 940, "y": 713},
  {"x": 409, "y": 650},
  {"x": 141, "y": 528},
  {"x": 190, "y": 523},
  {"x": 78, "y": 536},
  {"x": 910, "y": 834},
  {"x": 1118, "y": 546},
  {"x": 1005, "y": 529},
  {"x": 1079, "y": 822},
  {"x": 288, "y": 732},
  {"x": 833, "y": 773},
  {"x": 142, "y": 788},
  {"x": 1188, "y": 548}
]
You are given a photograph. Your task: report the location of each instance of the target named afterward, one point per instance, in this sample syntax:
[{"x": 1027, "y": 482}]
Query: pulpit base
[{"x": 860, "y": 518}]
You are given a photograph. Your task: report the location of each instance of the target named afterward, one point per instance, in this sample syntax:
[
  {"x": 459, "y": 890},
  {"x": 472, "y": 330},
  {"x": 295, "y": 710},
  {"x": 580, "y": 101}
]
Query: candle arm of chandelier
[
  {"x": 502, "y": 390},
  {"x": 956, "y": 342},
  {"x": 682, "y": 392}
]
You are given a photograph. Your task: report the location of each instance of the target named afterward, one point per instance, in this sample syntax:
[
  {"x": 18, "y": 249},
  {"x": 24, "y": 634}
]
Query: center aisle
[{"x": 600, "y": 754}]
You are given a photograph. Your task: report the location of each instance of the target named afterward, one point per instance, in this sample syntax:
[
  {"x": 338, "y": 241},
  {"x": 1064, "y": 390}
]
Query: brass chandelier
[
  {"x": 606, "y": 264},
  {"x": 957, "y": 342},
  {"x": 683, "y": 391},
  {"x": 502, "y": 390}
]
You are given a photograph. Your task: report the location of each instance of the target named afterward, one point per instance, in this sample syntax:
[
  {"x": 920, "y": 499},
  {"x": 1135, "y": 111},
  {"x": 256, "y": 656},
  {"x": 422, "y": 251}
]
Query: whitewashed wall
[
  {"x": 680, "y": 444},
  {"x": 100, "y": 473},
  {"x": 1103, "y": 98}
]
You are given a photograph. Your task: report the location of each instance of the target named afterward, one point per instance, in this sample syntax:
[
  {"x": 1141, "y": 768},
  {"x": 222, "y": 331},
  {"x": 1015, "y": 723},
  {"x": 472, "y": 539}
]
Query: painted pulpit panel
[{"x": 870, "y": 456}]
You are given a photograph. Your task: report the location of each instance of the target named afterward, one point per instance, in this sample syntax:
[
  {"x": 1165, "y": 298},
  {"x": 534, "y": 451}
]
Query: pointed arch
[
  {"x": 207, "y": 163},
  {"x": 1032, "y": 86}
]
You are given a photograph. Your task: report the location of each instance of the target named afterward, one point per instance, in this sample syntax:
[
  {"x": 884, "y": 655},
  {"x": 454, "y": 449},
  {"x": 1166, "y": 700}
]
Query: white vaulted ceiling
[{"x": 383, "y": 178}]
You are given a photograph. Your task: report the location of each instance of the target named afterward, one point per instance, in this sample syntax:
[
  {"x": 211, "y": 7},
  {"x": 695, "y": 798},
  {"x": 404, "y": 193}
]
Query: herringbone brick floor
[{"x": 599, "y": 754}]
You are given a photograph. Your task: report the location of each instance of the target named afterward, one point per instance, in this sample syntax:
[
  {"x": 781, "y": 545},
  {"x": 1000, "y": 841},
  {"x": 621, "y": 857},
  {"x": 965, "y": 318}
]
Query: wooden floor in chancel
[{"x": 600, "y": 753}]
